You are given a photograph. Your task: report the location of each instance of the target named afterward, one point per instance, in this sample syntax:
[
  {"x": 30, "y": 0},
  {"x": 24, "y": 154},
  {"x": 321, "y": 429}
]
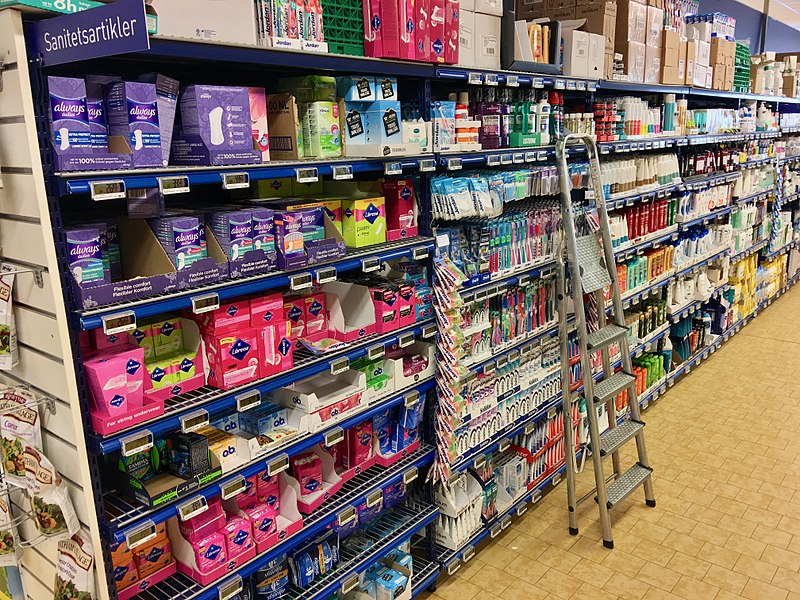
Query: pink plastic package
[
  {"x": 275, "y": 350},
  {"x": 269, "y": 490},
  {"x": 107, "y": 342},
  {"x": 233, "y": 359},
  {"x": 316, "y": 317},
  {"x": 437, "y": 23},
  {"x": 238, "y": 536},
  {"x": 229, "y": 317},
  {"x": 373, "y": 28},
  {"x": 422, "y": 34},
  {"x": 210, "y": 552},
  {"x": 294, "y": 310},
  {"x": 116, "y": 381},
  {"x": 264, "y": 520},
  {"x": 451, "y": 32},
  {"x": 307, "y": 468},
  {"x": 265, "y": 310},
  {"x": 358, "y": 445},
  {"x": 258, "y": 120},
  {"x": 210, "y": 520}
]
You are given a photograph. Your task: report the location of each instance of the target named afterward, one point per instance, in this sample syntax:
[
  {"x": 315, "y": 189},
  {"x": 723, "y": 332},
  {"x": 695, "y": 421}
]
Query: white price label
[
  {"x": 454, "y": 164},
  {"x": 192, "y": 508},
  {"x": 133, "y": 444},
  {"x": 278, "y": 465},
  {"x": 205, "y": 303},
  {"x": 302, "y": 281},
  {"x": 178, "y": 184},
  {"x": 307, "y": 175},
  {"x": 235, "y": 181},
  {"x": 230, "y": 589},
  {"x": 248, "y": 400},
  {"x": 140, "y": 535},
  {"x": 342, "y": 172},
  {"x": 512, "y": 80},
  {"x": 491, "y": 79},
  {"x": 233, "y": 488},
  {"x": 107, "y": 190},
  {"x": 119, "y": 323},
  {"x": 340, "y": 365},
  {"x": 334, "y": 436},
  {"x": 194, "y": 421},
  {"x": 475, "y": 78},
  {"x": 393, "y": 168},
  {"x": 325, "y": 275},
  {"x": 427, "y": 165}
]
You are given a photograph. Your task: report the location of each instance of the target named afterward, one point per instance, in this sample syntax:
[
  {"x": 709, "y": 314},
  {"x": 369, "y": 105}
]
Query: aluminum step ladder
[{"x": 592, "y": 268}]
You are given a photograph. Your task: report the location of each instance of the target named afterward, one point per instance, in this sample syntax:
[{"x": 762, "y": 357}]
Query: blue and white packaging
[
  {"x": 386, "y": 88},
  {"x": 234, "y": 232},
  {"x": 391, "y": 585},
  {"x": 373, "y": 123},
  {"x": 382, "y": 430},
  {"x": 228, "y": 423},
  {"x": 133, "y": 119},
  {"x": 356, "y": 88}
]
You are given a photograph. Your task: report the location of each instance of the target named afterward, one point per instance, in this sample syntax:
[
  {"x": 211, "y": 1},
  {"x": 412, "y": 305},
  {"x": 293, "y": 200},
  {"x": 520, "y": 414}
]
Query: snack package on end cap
[
  {"x": 9, "y": 354},
  {"x": 19, "y": 428},
  {"x": 74, "y": 570},
  {"x": 54, "y": 515}
]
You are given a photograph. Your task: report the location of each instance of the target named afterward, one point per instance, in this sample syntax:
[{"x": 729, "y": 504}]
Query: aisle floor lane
[{"x": 727, "y": 483}]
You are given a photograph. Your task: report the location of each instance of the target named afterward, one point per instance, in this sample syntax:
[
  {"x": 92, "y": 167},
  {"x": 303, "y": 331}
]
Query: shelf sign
[
  {"x": 411, "y": 399},
  {"x": 427, "y": 165},
  {"x": 233, "y": 488},
  {"x": 205, "y": 303},
  {"x": 343, "y": 517},
  {"x": 178, "y": 184},
  {"x": 376, "y": 352},
  {"x": 133, "y": 444},
  {"x": 419, "y": 253},
  {"x": 342, "y": 172},
  {"x": 495, "y": 531},
  {"x": 393, "y": 168},
  {"x": 248, "y": 400},
  {"x": 192, "y": 508},
  {"x": 410, "y": 475},
  {"x": 374, "y": 498},
  {"x": 454, "y": 164},
  {"x": 490, "y": 79},
  {"x": 368, "y": 265},
  {"x": 334, "y": 436},
  {"x": 140, "y": 535},
  {"x": 300, "y": 282},
  {"x": 474, "y": 78},
  {"x": 340, "y": 365},
  {"x": 453, "y": 566},
  {"x": 235, "y": 181},
  {"x": 405, "y": 340},
  {"x": 349, "y": 584},
  {"x": 107, "y": 190},
  {"x": 512, "y": 80},
  {"x": 468, "y": 553},
  {"x": 538, "y": 82},
  {"x": 278, "y": 465},
  {"x": 326, "y": 275},
  {"x": 522, "y": 509},
  {"x": 116, "y": 28},
  {"x": 194, "y": 421},
  {"x": 119, "y": 323},
  {"x": 307, "y": 175},
  {"x": 230, "y": 589}
]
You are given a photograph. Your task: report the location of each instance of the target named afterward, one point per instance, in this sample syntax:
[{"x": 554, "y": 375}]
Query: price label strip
[
  {"x": 233, "y": 488},
  {"x": 205, "y": 303},
  {"x": 107, "y": 190},
  {"x": 140, "y": 535},
  {"x": 235, "y": 181},
  {"x": 119, "y": 323},
  {"x": 133, "y": 444},
  {"x": 248, "y": 401},
  {"x": 178, "y": 184},
  {"x": 307, "y": 175},
  {"x": 342, "y": 172},
  {"x": 194, "y": 421},
  {"x": 196, "y": 506},
  {"x": 278, "y": 465}
]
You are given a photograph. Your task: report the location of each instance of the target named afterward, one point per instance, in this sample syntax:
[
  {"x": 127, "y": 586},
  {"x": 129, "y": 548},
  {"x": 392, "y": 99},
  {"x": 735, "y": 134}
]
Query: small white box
[
  {"x": 487, "y": 41},
  {"x": 576, "y": 53},
  {"x": 597, "y": 48},
  {"x": 229, "y": 21},
  {"x": 489, "y": 7},
  {"x": 699, "y": 78},
  {"x": 699, "y": 31},
  {"x": 466, "y": 5},
  {"x": 466, "y": 38},
  {"x": 703, "y": 54}
]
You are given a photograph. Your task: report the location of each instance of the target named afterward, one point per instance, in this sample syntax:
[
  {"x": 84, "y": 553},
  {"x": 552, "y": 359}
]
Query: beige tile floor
[{"x": 723, "y": 443}]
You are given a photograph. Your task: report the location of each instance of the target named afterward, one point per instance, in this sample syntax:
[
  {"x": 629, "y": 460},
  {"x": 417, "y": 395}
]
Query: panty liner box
[
  {"x": 167, "y": 90},
  {"x": 233, "y": 359},
  {"x": 274, "y": 349},
  {"x": 133, "y": 120},
  {"x": 201, "y": 20},
  {"x": 216, "y": 127},
  {"x": 364, "y": 222},
  {"x": 116, "y": 381}
]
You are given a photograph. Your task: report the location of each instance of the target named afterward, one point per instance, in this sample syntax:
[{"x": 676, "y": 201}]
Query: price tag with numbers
[
  {"x": 538, "y": 82},
  {"x": 107, "y": 190},
  {"x": 307, "y": 174},
  {"x": 140, "y": 535},
  {"x": 194, "y": 421},
  {"x": 512, "y": 80},
  {"x": 119, "y": 323},
  {"x": 278, "y": 465},
  {"x": 192, "y": 508},
  {"x": 493, "y": 160},
  {"x": 235, "y": 181},
  {"x": 205, "y": 303},
  {"x": 474, "y": 78},
  {"x": 560, "y": 84},
  {"x": 230, "y": 589},
  {"x": 454, "y": 164},
  {"x": 491, "y": 79},
  {"x": 233, "y": 488},
  {"x": 178, "y": 184},
  {"x": 393, "y": 168},
  {"x": 248, "y": 400},
  {"x": 133, "y": 444},
  {"x": 342, "y": 172},
  {"x": 427, "y": 165}
]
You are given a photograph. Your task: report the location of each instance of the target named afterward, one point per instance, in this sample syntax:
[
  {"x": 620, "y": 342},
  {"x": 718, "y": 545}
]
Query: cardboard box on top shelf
[
  {"x": 200, "y": 20},
  {"x": 527, "y": 10},
  {"x": 700, "y": 77},
  {"x": 631, "y": 24},
  {"x": 633, "y": 56},
  {"x": 691, "y": 52},
  {"x": 699, "y": 31},
  {"x": 489, "y": 7},
  {"x": 703, "y": 53},
  {"x": 487, "y": 41},
  {"x": 652, "y": 64},
  {"x": 466, "y": 5},
  {"x": 655, "y": 26},
  {"x": 790, "y": 85},
  {"x": 596, "y": 68},
  {"x": 576, "y": 53},
  {"x": 466, "y": 38},
  {"x": 657, "y": 3},
  {"x": 673, "y": 59},
  {"x": 723, "y": 52},
  {"x": 601, "y": 18},
  {"x": 561, "y": 14},
  {"x": 608, "y": 65}
]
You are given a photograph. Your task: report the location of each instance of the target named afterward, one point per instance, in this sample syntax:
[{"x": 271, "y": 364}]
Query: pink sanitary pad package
[{"x": 116, "y": 381}]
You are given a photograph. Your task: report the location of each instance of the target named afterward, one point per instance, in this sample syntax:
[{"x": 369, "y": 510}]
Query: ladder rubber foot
[
  {"x": 573, "y": 531},
  {"x": 608, "y": 544},
  {"x": 650, "y": 503}
]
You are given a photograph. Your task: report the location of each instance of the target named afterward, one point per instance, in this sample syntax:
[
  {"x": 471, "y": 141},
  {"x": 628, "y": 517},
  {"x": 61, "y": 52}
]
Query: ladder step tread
[
  {"x": 608, "y": 388},
  {"x": 605, "y": 336},
  {"x": 612, "y": 439},
  {"x": 594, "y": 272},
  {"x": 627, "y": 483}
]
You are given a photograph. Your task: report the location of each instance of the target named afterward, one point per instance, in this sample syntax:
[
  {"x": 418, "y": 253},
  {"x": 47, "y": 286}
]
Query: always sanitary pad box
[
  {"x": 133, "y": 119},
  {"x": 230, "y": 21},
  {"x": 216, "y": 127}
]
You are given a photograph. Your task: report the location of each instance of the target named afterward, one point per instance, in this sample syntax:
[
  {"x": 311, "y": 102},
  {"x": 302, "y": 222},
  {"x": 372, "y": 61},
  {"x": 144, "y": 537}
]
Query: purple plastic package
[
  {"x": 133, "y": 116},
  {"x": 69, "y": 117},
  {"x": 234, "y": 231},
  {"x": 86, "y": 256}
]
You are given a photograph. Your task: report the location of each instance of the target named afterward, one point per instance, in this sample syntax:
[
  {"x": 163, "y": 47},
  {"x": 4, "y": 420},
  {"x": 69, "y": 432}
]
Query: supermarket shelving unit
[{"x": 49, "y": 320}]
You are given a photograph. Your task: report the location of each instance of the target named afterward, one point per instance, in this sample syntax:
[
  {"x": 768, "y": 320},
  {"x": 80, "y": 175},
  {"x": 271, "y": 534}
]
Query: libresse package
[
  {"x": 363, "y": 222},
  {"x": 233, "y": 359},
  {"x": 307, "y": 468},
  {"x": 258, "y": 119},
  {"x": 116, "y": 381}
]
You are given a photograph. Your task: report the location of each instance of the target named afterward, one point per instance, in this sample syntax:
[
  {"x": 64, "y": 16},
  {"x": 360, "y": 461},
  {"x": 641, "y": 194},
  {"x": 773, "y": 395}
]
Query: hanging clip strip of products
[
  {"x": 447, "y": 304},
  {"x": 774, "y": 238}
]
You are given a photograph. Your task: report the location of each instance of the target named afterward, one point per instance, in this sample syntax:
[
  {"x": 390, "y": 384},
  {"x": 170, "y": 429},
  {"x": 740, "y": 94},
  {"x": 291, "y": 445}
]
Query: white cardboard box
[
  {"x": 489, "y": 7},
  {"x": 699, "y": 78},
  {"x": 703, "y": 54},
  {"x": 576, "y": 53},
  {"x": 487, "y": 41},
  {"x": 230, "y": 21},
  {"x": 466, "y": 38},
  {"x": 466, "y": 5},
  {"x": 597, "y": 48}
]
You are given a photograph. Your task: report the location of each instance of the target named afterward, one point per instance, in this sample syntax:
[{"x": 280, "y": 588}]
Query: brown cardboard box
[
  {"x": 652, "y": 64},
  {"x": 790, "y": 85},
  {"x": 608, "y": 65},
  {"x": 631, "y": 24},
  {"x": 723, "y": 52},
  {"x": 691, "y": 53},
  {"x": 633, "y": 56},
  {"x": 554, "y": 5},
  {"x": 601, "y": 18},
  {"x": 656, "y": 3},
  {"x": 671, "y": 47},
  {"x": 527, "y": 10},
  {"x": 563, "y": 14}
]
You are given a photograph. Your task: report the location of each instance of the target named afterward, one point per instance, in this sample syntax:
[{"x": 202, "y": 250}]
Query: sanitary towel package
[{"x": 133, "y": 116}]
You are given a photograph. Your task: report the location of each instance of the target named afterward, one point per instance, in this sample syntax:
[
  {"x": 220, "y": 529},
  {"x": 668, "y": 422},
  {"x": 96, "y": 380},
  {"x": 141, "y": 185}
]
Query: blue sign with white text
[{"x": 115, "y": 28}]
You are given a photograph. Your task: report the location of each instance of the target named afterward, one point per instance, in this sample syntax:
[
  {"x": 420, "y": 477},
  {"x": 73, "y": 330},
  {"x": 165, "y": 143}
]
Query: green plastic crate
[{"x": 344, "y": 26}]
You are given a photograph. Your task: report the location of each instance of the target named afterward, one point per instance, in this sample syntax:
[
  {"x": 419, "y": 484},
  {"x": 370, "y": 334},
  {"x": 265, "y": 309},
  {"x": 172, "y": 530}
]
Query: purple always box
[
  {"x": 148, "y": 270},
  {"x": 292, "y": 230},
  {"x": 133, "y": 126},
  {"x": 215, "y": 127}
]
